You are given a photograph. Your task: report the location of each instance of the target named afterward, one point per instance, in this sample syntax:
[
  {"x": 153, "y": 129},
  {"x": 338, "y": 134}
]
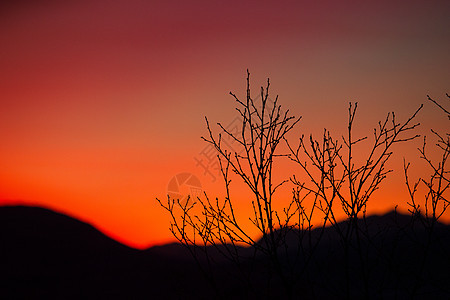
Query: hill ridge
[{"x": 46, "y": 254}]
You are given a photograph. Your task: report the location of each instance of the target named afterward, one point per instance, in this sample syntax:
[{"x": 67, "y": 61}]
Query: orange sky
[{"x": 103, "y": 102}]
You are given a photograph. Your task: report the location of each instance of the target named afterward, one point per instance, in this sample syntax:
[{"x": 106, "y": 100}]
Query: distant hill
[
  {"x": 47, "y": 255},
  {"x": 44, "y": 254}
]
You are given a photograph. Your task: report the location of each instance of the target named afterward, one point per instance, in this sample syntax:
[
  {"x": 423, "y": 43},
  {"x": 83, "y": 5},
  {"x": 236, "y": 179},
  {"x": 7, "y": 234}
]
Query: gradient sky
[{"x": 103, "y": 102}]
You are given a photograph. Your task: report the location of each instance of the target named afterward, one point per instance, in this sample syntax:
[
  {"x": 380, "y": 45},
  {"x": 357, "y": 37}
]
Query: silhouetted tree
[
  {"x": 262, "y": 130},
  {"x": 332, "y": 181},
  {"x": 339, "y": 182},
  {"x": 433, "y": 200}
]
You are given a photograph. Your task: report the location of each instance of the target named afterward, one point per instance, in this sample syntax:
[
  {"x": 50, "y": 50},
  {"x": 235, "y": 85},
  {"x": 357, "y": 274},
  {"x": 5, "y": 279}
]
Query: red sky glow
[{"x": 103, "y": 102}]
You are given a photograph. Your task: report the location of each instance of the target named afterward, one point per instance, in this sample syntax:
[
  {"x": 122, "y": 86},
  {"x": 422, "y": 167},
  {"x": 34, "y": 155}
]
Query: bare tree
[
  {"x": 433, "y": 199},
  {"x": 332, "y": 181},
  {"x": 339, "y": 183},
  {"x": 215, "y": 224}
]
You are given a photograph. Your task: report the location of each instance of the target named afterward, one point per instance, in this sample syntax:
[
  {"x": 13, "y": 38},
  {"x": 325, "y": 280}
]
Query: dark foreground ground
[{"x": 46, "y": 255}]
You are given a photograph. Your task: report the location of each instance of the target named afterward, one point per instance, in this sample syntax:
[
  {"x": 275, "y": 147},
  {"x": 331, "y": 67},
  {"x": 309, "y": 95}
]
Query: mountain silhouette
[{"x": 44, "y": 254}]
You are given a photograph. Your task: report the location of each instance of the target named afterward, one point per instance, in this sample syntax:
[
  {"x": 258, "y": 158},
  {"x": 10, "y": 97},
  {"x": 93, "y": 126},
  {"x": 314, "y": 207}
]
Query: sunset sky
[{"x": 103, "y": 102}]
